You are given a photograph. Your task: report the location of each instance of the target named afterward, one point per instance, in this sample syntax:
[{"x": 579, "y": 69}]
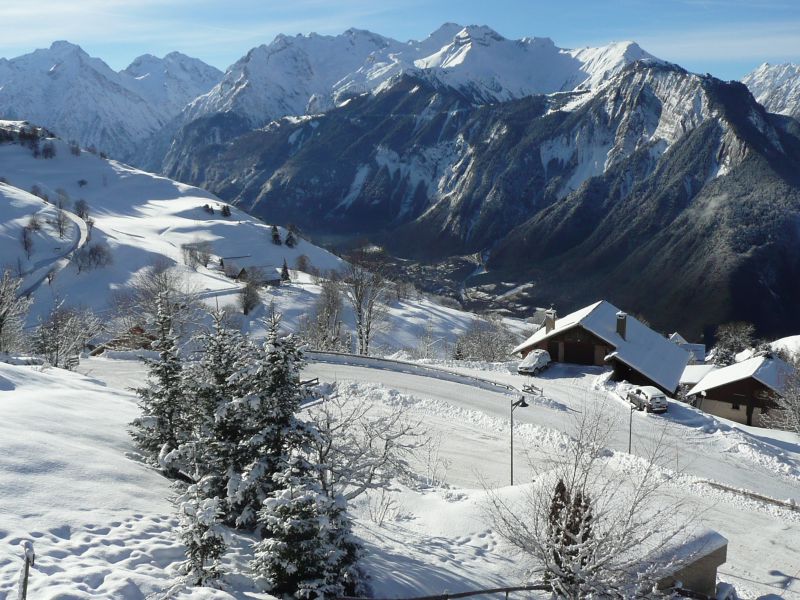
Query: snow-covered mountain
[
  {"x": 82, "y": 98},
  {"x": 777, "y": 87},
  {"x": 170, "y": 83},
  {"x": 589, "y": 180},
  {"x": 312, "y": 73}
]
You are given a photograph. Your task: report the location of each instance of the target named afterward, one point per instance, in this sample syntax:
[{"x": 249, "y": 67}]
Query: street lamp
[
  {"x": 630, "y": 429},
  {"x": 518, "y": 404}
]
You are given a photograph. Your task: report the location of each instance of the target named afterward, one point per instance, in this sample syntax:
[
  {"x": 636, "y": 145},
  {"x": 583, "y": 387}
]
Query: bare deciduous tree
[
  {"x": 93, "y": 256},
  {"x": 61, "y": 222},
  {"x": 786, "y": 412},
  {"x": 196, "y": 253},
  {"x": 361, "y": 447},
  {"x": 135, "y": 305},
  {"x": 249, "y": 296},
  {"x": 64, "y": 334},
  {"x": 485, "y": 339},
  {"x": 13, "y": 310},
  {"x": 27, "y": 241},
  {"x": 588, "y": 530},
  {"x": 82, "y": 208},
  {"x": 323, "y": 329},
  {"x": 365, "y": 286},
  {"x": 732, "y": 338}
]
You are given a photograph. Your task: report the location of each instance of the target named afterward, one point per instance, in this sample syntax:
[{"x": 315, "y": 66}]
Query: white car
[
  {"x": 648, "y": 398},
  {"x": 534, "y": 362}
]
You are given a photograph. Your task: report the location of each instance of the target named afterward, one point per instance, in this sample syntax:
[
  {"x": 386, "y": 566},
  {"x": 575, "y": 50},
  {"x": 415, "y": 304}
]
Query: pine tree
[
  {"x": 162, "y": 425},
  {"x": 308, "y": 550},
  {"x": 215, "y": 426},
  {"x": 276, "y": 236},
  {"x": 269, "y": 384},
  {"x": 201, "y": 532},
  {"x": 569, "y": 530},
  {"x": 291, "y": 241},
  {"x": 285, "y": 272}
]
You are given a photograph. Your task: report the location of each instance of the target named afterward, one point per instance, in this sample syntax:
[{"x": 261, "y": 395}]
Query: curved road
[
  {"x": 686, "y": 448},
  {"x": 40, "y": 272}
]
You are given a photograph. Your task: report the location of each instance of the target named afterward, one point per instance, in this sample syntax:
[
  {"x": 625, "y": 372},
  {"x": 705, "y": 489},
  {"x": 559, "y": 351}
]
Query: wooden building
[
  {"x": 743, "y": 392},
  {"x": 601, "y": 334}
]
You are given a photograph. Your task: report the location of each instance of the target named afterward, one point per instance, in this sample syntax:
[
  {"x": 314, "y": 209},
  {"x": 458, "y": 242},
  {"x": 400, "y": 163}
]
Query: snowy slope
[
  {"x": 144, "y": 219},
  {"x": 310, "y": 74},
  {"x": 777, "y": 87},
  {"x": 82, "y": 98},
  {"x": 102, "y": 524},
  {"x": 16, "y": 209}
]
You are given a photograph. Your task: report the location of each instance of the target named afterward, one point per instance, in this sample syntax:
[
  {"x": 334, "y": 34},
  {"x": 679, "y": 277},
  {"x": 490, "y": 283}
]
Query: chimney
[
  {"x": 622, "y": 324},
  {"x": 549, "y": 320}
]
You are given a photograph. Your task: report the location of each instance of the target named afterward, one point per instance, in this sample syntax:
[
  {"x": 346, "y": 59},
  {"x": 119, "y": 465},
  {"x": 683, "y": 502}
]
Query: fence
[{"x": 410, "y": 368}]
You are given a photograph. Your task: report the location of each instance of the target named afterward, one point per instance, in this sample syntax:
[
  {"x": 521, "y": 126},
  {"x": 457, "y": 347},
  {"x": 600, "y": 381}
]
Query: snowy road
[
  {"x": 733, "y": 458},
  {"x": 35, "y": 278}
]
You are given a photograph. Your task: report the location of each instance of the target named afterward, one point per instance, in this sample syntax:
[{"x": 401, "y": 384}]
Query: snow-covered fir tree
[
  {"x": 308, "y": 550},
  {"x": 276, "y": 236},
  {"x": 271, "y": 393},
  {"x": 215, "y": 430},
  {"x": 200, "y": 531},
  {"x": 162, "y": 425}
]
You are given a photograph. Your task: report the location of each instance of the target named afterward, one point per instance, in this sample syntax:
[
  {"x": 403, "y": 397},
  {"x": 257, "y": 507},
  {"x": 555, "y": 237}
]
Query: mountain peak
[{"x": 479, "y": 33}]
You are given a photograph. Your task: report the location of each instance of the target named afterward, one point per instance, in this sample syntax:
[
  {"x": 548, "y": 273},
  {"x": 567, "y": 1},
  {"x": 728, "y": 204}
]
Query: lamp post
[
  {"x": 630, "y": 430},
  {"x": 518, "y": 404}
]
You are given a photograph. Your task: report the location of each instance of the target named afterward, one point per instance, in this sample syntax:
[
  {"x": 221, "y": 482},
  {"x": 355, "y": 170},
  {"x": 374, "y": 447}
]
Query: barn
[
  {"x": 744, "y": 391},
  {"x": 601, "y": 334}
]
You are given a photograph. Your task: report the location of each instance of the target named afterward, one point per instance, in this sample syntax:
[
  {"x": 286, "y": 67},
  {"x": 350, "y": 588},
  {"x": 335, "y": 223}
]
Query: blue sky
[{"x": 724, "y": 37}]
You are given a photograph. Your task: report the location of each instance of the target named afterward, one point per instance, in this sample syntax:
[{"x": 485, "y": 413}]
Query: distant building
[
  {"x": 601, "y": 334},
  {"x": 697, "y": 352},
  {"x": 744, "y": 391}
]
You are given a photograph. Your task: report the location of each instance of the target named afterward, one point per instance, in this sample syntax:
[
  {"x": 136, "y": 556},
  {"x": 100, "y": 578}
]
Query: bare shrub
[{"x": 197, "y": 253}]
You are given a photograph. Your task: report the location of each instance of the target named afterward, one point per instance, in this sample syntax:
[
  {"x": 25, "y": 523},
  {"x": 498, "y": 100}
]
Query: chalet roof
[
  {"x": 643, "y": 349},
  {"x": 694, "y": 374},
  {"x": 772, "y": 372}
]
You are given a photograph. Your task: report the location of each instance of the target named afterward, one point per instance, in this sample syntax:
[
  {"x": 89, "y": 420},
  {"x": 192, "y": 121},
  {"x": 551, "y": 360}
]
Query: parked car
[
  {"x": 534, "y": 362},
  {"x": 648, "y": 398}
]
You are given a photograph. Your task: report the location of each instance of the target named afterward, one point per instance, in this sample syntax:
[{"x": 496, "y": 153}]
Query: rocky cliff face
[
  {"x": 655, "y": 190},
  {"x": 777, "y": 87}
]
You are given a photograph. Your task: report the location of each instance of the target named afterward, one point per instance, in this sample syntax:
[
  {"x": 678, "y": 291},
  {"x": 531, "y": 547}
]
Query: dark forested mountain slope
[{"x": 671, "y": 193}]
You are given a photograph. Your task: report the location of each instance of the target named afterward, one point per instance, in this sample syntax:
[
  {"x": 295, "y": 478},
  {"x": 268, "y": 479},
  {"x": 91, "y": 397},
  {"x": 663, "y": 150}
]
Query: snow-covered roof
[
  {"x": 643, "y": 349},
  {"x": 772, "y": 372},
  {"x": 694, "y": 374},
  {"x": 790, "y": 344},
  {"x": 677, "y": 338}
]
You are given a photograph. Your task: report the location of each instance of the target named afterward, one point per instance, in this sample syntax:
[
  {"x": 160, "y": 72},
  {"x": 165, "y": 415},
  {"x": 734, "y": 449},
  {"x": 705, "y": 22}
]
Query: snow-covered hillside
[
  {"x": 23, "y": 215},
  {"x": 145, "y": 219},
  {"x": 312, "y": 73},
  {"x": 82, "y": 98},
  {"x": 777, "y": 87}
]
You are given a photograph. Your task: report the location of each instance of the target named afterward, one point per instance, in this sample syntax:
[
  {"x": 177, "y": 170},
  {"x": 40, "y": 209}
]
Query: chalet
[
  {"x": 744, "y": 391},
  {"x": 601, "y": 334},
  {"x": 240, "y": 267},
  {"x": 697, "y": 352}
]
